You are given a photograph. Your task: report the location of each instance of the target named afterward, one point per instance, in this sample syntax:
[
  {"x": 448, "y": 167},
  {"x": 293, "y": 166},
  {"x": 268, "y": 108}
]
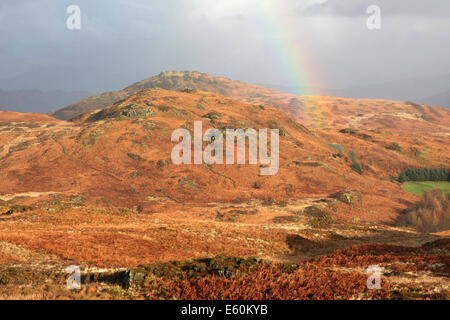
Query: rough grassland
[{"x": 420, "y": 187}]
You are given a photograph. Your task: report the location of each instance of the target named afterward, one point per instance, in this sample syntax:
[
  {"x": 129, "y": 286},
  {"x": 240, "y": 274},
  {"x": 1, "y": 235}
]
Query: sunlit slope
[
  {"x": 319, "y": 111},
  {"x": 121, "y": 156}
]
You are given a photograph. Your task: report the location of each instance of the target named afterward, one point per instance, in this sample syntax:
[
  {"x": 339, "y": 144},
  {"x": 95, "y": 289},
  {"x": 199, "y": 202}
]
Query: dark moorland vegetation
[
  {"x": 424, "y": 174},
  {"x": 355, "y": 165}
]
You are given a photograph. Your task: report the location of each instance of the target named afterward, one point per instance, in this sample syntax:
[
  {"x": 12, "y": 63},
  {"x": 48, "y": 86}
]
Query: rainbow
[{"x": 297, "y": 66}]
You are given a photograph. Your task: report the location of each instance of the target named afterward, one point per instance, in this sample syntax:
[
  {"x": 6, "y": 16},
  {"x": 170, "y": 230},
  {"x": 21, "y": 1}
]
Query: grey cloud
[
  {"x": 357, "y": 8},
  {"x": 123, "y": 41}
]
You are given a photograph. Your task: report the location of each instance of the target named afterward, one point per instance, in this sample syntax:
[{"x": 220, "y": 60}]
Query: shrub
[
  {"x": 424, "y": 174},
  {"x": 394, "y": 147},
  {"x": 135, "y": 157},
  {"x": 276, "y": 125},
  {"x": 355, "y": 166},
  {"x": 337, "y": 147},
  {"x": 431, "y": 214},
  {"x": 320, "y": 217},
  {"x": 213, "y": 115},
  {"x": 162, "y": 163}
]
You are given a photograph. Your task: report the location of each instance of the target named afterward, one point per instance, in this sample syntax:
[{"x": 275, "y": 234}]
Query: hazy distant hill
[
  {"x": 422, "y": 89},
  {"x": 428, "y": 90},
  {"x": 442, "y": 99},
  {"x": 67, "y": 79},
  {"x": 35, "y": 100}
]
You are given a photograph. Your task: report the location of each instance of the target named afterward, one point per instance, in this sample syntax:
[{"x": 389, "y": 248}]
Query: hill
[
  {"x": 429, "y": 90},
  {"x": 319, "y": 111},
  {"x": 101, "y": 191},
  {"x": 169, "y": 80},
  {"x": 442, "y": 99},
  {"x": 120, "y": 156},
  {"x": 12, "y": 116}
]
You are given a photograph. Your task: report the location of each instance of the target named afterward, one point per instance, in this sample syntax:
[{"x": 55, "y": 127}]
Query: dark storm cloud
[
  {"x": 357, "y": 8},
  {"x": 122, "y": 41}
]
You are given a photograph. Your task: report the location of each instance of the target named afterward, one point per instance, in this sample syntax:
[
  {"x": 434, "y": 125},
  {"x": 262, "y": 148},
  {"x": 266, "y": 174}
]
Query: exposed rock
[
  {"x": 347, "y": 196},
  {"x": 213, "y": 115},
  {"x": 137, "y": 111},
  {"x": 162, "y": 163},
  {"x": 220, "y": 266}
]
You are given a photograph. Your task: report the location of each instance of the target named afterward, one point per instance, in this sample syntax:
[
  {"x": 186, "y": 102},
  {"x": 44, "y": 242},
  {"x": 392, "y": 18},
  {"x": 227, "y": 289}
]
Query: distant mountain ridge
[
  {"x": 433, "y": 91},
  {"x": 442, "y": 99},
  {"x": 35, "y": 100}
]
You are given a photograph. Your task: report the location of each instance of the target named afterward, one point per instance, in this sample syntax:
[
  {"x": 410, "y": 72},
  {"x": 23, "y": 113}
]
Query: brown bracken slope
[
  {"x": 101, "y": 191},
  {"x": 120, "y": 156},
  {"x": 12, "y": 116}
]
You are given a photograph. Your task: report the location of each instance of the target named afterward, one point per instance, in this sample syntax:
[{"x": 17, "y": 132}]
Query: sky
[{"x": 310, "y": 43}]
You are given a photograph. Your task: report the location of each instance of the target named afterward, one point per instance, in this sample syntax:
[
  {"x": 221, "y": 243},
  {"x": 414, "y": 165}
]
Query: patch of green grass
[{"x": 420, "y": 187}]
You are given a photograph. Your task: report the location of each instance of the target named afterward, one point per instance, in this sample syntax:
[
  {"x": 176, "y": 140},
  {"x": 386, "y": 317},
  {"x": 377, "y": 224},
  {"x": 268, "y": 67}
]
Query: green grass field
[{"x": 419, "y": 187}]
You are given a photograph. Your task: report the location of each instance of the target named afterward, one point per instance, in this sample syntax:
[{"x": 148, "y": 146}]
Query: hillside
[
  {"x": 101, "y": 191},
  {"x": 169, "y": 80},
  {"x": 319, "y": 111},
  {"x": 12, "y": 116},
  {"x": 120, "y": 156}
]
